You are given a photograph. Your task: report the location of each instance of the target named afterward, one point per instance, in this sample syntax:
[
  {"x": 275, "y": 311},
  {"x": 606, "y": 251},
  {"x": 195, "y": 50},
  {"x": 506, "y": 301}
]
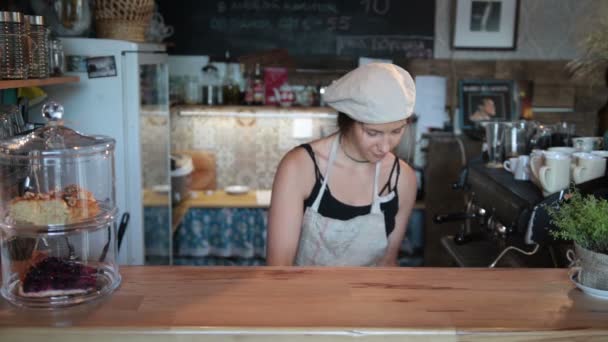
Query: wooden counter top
[
  {"x": 207, "y": 199},
  {"x": 190, "y": 303},
  {"x": 215, "y": 199}
]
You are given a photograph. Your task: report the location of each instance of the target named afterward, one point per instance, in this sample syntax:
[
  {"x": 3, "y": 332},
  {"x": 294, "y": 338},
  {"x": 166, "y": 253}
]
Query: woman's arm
[
  {"x": 287, "y": 208},
  {"x": 407, "y": 188}
]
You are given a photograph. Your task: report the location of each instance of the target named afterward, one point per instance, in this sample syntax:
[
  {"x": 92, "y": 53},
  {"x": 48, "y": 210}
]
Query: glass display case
[{"x": 57, "y": 215}]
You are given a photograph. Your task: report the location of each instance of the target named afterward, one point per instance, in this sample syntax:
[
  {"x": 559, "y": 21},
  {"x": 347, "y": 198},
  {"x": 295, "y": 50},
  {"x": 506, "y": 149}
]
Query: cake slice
[
  {"x": 71, "y": 205},
  {"x": 53, "y": 276},
  {"x": 40, "y": 211}
]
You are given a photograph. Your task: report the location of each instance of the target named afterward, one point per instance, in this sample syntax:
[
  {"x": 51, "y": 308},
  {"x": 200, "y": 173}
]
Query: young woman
[{"x": 344, "y": 200}]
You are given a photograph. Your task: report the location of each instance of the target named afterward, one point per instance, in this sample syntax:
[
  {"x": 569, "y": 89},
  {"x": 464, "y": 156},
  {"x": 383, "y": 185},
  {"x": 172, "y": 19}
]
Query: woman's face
[{"x": 374, "y": 141}]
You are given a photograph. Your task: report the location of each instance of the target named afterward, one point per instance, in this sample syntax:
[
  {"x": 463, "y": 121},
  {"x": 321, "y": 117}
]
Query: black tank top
[{"x": 332, "y": 208}]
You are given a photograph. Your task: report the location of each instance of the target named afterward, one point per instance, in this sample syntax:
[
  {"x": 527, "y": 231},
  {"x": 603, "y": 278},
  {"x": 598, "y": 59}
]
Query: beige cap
[{"x": 374, "y": 93}]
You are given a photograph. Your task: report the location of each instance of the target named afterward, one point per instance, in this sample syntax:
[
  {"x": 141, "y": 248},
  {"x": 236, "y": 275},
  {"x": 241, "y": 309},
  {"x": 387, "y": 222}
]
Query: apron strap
[
  {"x": 332, "y": 157},
  {"x": 376, "y": 198}
]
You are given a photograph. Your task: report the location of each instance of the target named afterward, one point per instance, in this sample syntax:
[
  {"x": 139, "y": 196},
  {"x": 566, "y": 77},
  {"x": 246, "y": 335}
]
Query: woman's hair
[{"x": 345, "y": 123}]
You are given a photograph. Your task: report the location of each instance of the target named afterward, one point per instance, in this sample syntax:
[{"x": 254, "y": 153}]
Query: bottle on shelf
[
  {"x": 248, "y": 87},
  {"x": 258, "y": 86},
  {"x": 244, "y": 85},
  {"x": 230, "y": 88}
]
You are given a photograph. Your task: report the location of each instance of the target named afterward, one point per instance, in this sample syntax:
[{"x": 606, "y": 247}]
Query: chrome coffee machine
[
  {"x": 505, "y": 221},
  {"x": 506, "y": 139}
]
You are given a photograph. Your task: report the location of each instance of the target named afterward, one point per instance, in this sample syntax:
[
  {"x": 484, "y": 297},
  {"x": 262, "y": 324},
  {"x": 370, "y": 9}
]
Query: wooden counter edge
[{"x": 68, "y": 334}]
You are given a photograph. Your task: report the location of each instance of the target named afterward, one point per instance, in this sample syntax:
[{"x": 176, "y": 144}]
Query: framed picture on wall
[
  {"x": 482, "y": 100},
  {"x": 485, "y": 24}
]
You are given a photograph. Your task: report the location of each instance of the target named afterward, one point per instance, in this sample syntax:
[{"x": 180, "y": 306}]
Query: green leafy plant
[{"x": 582, "y": 219}]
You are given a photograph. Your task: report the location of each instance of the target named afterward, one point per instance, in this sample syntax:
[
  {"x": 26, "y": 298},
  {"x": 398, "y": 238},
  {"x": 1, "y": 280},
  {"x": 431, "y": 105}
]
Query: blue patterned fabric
[
  {"x": 222, "y": 232},
  {"x": 237, "y": 237},
  {"x": 157, "y": 230}
]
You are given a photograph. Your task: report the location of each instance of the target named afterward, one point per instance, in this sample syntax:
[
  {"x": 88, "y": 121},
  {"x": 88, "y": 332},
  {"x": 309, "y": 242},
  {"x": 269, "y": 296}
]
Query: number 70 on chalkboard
[{"x": 379, "y": 7}]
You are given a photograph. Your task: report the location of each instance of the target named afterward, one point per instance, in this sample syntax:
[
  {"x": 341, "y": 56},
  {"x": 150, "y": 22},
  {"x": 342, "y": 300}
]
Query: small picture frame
[
  {"x": 104, "y": 66},
  {"x": 485, "y": 24},
  {"x": 482, "y": 100}
]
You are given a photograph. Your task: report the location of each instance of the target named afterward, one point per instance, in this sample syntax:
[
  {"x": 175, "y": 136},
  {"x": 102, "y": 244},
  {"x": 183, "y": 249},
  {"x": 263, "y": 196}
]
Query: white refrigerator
[{"x": 123, "y": 93}]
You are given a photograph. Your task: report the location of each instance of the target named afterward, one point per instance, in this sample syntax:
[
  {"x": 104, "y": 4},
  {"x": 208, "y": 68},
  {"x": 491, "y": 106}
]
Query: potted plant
[{"x": 583, "y": 219}]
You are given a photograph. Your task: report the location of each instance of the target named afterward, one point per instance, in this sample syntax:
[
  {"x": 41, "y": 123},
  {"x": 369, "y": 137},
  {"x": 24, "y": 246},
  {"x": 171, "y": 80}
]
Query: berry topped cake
[
  {"x": 52, "y": 276},
  {"x": 71, "y": 205}
]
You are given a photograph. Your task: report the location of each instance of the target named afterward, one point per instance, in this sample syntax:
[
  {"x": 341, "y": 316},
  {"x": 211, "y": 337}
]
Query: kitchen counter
[
  {"x": 216, "y": 199},
  {"x": 388, "y": 304}
]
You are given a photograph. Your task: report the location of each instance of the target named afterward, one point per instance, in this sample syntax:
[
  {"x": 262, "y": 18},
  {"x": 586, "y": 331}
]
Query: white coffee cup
[
  {"x": 562, "y": 149},
  {"x": 555, "y": 174},
  {"x": 586, "y": 144},
  {"x": 536, "y": 162},
  {"x": 601, "y": 153},
  {"x": 522, "y": 169},
  {"x": 588, "y": 166},
  {"x": 510, "y": 164}
]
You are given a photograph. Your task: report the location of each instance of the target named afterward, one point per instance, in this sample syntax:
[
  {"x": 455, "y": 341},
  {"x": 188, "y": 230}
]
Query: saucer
[
  {"x": 602, "y": 294},
  {"x": 236, "y": 189},
  {"x": 162, "y": 188}
]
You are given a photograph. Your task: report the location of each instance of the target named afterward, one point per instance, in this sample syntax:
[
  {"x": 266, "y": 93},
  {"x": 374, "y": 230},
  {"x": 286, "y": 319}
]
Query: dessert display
[
  {"x": 53, "y": 276},
  {"x": 73, "y": 204},
  {"x": 58, "y": 240}
]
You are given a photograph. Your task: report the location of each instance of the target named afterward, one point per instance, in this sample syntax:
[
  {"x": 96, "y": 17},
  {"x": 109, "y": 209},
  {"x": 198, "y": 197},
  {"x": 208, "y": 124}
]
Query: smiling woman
[{"x": 344, "y": 200}]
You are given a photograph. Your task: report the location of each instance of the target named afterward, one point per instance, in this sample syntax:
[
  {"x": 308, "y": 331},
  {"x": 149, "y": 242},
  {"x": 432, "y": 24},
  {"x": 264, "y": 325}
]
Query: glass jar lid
[{"x": 54, "y": 140}]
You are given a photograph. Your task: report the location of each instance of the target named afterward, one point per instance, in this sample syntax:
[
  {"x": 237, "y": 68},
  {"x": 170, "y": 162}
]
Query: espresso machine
[{"x": 504, "y": 221}]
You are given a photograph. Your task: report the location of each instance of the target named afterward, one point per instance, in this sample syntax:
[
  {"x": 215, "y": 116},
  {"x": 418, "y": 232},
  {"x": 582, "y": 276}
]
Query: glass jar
[
  {"x": 12, "y": 60},
  {"x": 56, "y": 58},
  {"x": 192, "y": 91},
  {"x": 36, "y": 47},
  {"x": 57, "y": 216}
]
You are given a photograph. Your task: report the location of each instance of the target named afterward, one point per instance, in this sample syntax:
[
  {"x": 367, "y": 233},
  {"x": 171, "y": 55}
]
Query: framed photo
[
  {"x": 485, "y": 24},
  {"x": 482, "y": 100},
  {"x": 101, "y": 66}
]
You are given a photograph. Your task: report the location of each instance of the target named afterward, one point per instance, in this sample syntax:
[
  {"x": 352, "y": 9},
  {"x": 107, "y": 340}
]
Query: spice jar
[
  {"x": 12, "y": 61},
  {"x": 57, "y": 216},
  {"x": 56, "y": 58},
  {"x": 36, "y": 47}
]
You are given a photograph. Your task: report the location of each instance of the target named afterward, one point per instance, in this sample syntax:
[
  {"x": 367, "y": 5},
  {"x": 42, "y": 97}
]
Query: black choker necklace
[{"x": 349, "y": 157}]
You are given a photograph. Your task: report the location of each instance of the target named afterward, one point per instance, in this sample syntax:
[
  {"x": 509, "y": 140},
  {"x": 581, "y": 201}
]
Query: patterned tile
[{"x": 247, "y": 150}]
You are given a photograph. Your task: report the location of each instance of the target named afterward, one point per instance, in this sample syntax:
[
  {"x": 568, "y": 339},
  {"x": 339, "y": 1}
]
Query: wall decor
[
  {"x": 485, "y": 24},
  {"x": 482, "y": 100}
]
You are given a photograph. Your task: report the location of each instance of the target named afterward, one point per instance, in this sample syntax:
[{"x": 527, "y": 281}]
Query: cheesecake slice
[{"x": 53, "y": 276}]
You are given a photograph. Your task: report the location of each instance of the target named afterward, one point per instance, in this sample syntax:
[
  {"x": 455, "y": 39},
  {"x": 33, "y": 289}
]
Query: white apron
[{"x": 324, "y": 241}]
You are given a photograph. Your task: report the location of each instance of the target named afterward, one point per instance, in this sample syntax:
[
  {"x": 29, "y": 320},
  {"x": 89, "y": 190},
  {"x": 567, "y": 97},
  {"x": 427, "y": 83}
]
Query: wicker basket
[{"x": 123, "y": 19}]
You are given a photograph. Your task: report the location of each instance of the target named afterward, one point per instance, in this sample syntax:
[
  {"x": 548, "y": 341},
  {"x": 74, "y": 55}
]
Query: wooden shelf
[{"x": 8, "y": 84}]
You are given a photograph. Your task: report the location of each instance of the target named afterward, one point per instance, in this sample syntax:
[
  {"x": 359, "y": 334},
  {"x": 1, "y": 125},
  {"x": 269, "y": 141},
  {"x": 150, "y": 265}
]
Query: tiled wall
[
  {"x": 247, "y": 150},
  {"x": 155, "y": 149}
]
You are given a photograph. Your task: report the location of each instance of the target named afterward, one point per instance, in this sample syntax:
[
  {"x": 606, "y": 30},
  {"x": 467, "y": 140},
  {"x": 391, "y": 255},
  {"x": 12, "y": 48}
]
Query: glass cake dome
[{"x": 57, "y": 215}]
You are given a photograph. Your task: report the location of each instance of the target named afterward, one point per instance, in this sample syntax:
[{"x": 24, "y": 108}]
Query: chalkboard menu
[{"x": 373, "y": 28}]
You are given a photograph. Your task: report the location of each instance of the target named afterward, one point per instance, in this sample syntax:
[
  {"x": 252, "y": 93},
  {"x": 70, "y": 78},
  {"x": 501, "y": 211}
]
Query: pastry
[{"x": 73, "y": 204}]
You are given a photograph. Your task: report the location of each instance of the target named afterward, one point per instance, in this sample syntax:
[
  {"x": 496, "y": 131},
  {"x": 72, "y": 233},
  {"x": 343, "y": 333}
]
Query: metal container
[
  {"x": 11, "y": 121},
  {"x": 57, "y": 216},
  {"x": 12, "y": 59},
  {"x": 56, "y": 58},
  {"x": 36, "y": 47}
]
